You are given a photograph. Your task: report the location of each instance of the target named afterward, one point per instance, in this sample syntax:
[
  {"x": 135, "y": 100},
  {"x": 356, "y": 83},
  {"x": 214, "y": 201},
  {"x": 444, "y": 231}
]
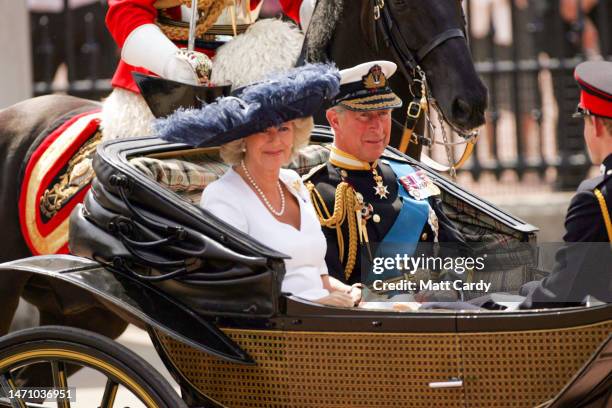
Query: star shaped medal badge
[{"x": 381, "y": 190}]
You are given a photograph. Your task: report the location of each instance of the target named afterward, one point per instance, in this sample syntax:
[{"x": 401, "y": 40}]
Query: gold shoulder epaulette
[{"x": 346, "y": 207}]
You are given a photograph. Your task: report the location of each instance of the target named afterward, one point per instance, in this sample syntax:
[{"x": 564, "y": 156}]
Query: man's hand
[
  {"x": 178, "y": 69},
  {"x": 333, "y": 285},
  {"x": 148, "y": 47},
  {"x": 355, "y": 293},
  {"x": 189, "y": 67}
]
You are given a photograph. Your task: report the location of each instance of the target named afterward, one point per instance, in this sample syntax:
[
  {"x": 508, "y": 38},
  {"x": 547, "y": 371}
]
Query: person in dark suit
[{"x": 584, "y": 264}]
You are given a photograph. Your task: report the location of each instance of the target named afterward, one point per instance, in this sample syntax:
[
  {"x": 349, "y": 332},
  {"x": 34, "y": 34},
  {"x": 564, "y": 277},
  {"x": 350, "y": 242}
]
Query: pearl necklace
[{"x": 262, "y": 195}]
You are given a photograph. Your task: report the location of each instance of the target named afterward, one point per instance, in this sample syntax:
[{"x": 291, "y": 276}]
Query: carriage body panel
[{"x": 370, "y": 366}]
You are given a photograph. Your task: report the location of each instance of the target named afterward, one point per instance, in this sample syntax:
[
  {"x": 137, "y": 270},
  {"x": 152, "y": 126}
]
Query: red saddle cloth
[{"x": 50, "y": 190}]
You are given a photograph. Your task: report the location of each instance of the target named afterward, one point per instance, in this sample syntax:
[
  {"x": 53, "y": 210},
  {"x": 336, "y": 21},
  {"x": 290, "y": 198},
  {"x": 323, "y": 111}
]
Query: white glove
[
  {"x": 149, "y": 48},
  {"x": 178, "y": 69}
]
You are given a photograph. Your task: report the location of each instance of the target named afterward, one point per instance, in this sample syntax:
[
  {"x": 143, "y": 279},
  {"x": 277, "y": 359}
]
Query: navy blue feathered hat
[{"x": 297, "y": 93}]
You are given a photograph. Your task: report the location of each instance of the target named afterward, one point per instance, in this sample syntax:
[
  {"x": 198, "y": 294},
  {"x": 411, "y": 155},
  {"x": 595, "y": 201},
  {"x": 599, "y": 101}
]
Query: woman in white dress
[{"x": 260, "y": 131}]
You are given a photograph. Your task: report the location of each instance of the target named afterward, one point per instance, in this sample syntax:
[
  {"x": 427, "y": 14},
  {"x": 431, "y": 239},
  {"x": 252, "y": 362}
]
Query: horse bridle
[
  {"x": 410, "y": 66},
  {"x": 393, "y": 36}
]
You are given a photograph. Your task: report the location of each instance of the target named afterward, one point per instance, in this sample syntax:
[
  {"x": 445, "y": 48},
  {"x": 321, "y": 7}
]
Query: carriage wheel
[{"x": 55, "y": 351}]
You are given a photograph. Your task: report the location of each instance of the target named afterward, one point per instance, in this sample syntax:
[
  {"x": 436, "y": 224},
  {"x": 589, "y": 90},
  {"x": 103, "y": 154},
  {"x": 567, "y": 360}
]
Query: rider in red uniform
[{"x": 147, "y": 49}]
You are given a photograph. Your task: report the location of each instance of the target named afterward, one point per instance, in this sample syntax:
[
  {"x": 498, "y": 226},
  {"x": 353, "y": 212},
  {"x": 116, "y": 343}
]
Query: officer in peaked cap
[
  {"x": 363, "y": 196},
  {"x": 586, "y": 268}
]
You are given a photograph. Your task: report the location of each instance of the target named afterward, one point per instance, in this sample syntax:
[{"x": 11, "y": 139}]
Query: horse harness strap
[
  {"x": 393, "y": 35},
  {"x": 410, "y": 66},
  {"x": 416, "y": 108},
  {"x": 437, "y": 40}
]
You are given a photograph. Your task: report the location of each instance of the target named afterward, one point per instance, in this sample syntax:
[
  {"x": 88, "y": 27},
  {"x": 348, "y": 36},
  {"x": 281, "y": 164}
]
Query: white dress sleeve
[
  {"x": 323, "y": 269},
  {"x": 223, "y": 203}
]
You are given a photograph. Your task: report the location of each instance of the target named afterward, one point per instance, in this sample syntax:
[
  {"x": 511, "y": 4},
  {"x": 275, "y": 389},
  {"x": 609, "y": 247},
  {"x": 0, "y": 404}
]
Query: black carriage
[{"x": 209, "y": 297}]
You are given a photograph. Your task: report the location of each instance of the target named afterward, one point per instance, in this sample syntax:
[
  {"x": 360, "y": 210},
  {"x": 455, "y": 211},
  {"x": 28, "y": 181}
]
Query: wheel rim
[{"x": 57, "y": 357}]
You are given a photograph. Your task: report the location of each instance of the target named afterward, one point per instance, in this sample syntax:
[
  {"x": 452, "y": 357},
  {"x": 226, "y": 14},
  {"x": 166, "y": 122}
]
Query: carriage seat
[{"x": 188, "y": 176}]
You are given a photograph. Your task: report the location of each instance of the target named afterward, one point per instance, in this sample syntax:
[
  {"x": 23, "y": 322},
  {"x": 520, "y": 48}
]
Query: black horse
[
  {"x": 428, "y": 35},
  {"x": 406, "y": 31}
]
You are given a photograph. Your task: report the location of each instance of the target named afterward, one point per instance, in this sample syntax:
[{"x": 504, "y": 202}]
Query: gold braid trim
[
  {"x": 605, "y": 213},
  {"x": 345, "y": 206},
  {"x": 210, "y": 10},
  {"x": 77, "y": 175}
]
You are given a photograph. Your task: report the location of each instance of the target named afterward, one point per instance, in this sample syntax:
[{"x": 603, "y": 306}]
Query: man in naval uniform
[
  {"x": 366, "y": 200},
  {"x": 584, "y": 264}
]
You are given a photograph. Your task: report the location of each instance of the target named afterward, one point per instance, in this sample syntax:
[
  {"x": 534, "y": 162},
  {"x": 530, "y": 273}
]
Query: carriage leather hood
[{"x": 132, "y": 225}]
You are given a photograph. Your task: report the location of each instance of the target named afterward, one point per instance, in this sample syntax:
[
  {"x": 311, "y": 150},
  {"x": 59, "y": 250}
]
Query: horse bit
[{"x": 421, "y": 93}]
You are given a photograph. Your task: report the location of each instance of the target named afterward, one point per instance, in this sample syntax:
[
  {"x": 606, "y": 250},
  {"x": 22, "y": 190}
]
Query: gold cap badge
[{"x": 375, "y": 78}]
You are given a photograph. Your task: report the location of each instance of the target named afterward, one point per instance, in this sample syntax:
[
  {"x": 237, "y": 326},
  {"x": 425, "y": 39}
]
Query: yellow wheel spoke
[
  {"x": 7, "y": 386},
  {"x": 110, "y": 392},
  {"x": 58, "y": 369}
]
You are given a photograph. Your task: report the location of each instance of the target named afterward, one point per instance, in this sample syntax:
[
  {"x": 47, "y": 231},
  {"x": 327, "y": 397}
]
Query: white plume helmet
[{"x": 268, "y": 46}]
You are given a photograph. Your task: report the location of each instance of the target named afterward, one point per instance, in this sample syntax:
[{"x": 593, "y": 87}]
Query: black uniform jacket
[
  {"x": 325, "y": 180},
  {"x": 585, "y": 269}
]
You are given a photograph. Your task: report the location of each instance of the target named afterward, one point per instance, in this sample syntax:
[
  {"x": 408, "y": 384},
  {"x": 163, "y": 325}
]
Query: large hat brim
[
  {"x": 296, "y": 94},
  {"x": 260, "y": 121}
]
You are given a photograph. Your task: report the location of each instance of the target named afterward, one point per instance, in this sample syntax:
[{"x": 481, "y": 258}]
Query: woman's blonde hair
[{"x": 232, "y": 152}]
